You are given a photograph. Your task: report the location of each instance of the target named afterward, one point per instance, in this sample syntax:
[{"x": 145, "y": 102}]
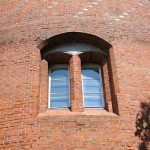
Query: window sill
[{"x": 67, "y": 112}]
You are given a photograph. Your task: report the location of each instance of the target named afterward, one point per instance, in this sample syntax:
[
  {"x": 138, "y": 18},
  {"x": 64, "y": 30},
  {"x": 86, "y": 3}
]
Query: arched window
[{"x": 78, "y": 72}]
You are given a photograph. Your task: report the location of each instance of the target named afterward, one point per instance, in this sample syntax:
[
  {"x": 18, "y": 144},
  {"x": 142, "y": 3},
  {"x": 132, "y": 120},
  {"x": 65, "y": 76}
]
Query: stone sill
[{"x": 67, "y": 112}]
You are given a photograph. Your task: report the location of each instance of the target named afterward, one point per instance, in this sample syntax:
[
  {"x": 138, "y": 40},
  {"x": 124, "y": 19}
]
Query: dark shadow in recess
[{"x": 143, "y": 125}]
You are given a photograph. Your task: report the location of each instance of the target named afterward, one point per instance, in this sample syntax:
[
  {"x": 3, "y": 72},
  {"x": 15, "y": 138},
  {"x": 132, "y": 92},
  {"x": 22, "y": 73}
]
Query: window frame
[
  {"x": 49, "y": 85},
  {"x": 101, "y": 80}
]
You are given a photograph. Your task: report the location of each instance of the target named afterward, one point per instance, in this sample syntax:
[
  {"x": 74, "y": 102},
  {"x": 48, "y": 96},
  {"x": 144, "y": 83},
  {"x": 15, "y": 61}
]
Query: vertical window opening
[
  {"x": 92, "y": 86},
  {"x": 59, "y": 95}
]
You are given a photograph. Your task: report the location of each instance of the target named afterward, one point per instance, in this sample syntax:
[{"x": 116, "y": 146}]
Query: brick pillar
[
  {"x": 76, "y": 84},
  {"x": 106, "y": 85},
  {"x": 43, "y": 101}
]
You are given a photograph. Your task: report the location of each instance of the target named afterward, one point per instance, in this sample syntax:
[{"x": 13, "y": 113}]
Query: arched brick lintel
[{"x": 70, "y": 37}]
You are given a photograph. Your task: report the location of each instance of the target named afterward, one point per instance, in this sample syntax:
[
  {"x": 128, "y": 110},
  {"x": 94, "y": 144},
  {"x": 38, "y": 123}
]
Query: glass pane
[
  {"x": 91, "y": 97},
  {"x": 92, "y": 104},
  {"x": 91, "y": 73},
  {"x": 93, "y": 100},
  {"x": 59, "y": 83},
  {"x": 63, "y": 89},
  {"x": 92, "y": 86},
  {"x": 59, "y": 89},
  {"x": 88, "y": 82},
  {"x": 59, "y": 100},
  {"x": 64, "y": 95},
  {"x": 59, "y": 104},
  {"x": 58, "y": 73},
  {"x": 56, "y": 98},
  {"x": 91, "y": 89}
]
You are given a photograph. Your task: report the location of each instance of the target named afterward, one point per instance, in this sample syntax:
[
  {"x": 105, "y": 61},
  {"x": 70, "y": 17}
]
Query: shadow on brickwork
[{"x": 143, "y": 125}]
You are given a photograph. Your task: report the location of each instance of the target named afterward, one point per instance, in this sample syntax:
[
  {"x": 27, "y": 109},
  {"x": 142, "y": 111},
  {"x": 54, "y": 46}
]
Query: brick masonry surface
[{"x": 25, "y": 122}]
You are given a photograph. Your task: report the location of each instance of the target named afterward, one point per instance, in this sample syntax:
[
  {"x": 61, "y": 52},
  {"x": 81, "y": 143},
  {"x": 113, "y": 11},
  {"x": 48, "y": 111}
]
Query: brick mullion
[{"x": 76, "y": 84}]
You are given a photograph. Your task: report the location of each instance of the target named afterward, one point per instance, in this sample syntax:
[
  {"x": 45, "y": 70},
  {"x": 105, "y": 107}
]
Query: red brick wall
[{"x": 25, "y": 122}]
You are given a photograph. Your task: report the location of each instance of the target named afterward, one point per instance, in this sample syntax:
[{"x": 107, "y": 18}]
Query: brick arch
[
  {"x": 70, "y": 37},
  {"x": 58, "y": 58}
]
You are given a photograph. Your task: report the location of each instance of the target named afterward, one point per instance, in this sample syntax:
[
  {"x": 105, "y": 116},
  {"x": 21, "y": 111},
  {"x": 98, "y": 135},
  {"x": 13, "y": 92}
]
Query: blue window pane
[
  {"x": 58, "y": 99},
  {"x": 91, "y": 97},
  {"x": 92, "y": 104},
  {"x": 59, "y": 89},
  {"x": 57, "y": 73},
  {"x": 88, "y": 82},
  {"x": 63, "y": 89},
  {"x": 59, "y": 83},
  {"x": 90, "y": 73},
  {"x": 60, "y": 95},
  {"x": 59, "y": 104},
  {"x": 93, "y": 100},
  {"x": 92, "y": 87}
]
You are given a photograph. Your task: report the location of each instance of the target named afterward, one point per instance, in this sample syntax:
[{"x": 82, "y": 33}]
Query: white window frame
[
  {"x": 49, "y": 85},
  {"x": 100, "y": 77}
]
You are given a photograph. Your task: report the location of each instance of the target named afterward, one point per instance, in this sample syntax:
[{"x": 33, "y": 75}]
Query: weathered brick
[{"x": 26, "y": 27}]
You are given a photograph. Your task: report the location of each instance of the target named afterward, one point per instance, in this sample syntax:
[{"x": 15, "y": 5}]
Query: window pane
[
  {"x": 90, "y": 73},
  {"x": 59, "y": 95},
  {"x": 59, "y": 89},
  {"x": 63, "y": 89},
  {"x": 93, "y": 100},
  {"x": 88, "y": 82},
  {"x": 92, "y": 87},
  {"x": 92, "y": 104},
  {"x": 59, "y": 104},
  {"x": 92, "y": 97},
  {"x": 58, "y": 73},
  {"x": 88, "y": 87},
  {"x": 59, "y": 83},
  {"x": 58, "y": 99}
]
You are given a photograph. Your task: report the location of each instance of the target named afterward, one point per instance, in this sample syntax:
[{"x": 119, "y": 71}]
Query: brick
[{"x": 29, "y": 28}]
